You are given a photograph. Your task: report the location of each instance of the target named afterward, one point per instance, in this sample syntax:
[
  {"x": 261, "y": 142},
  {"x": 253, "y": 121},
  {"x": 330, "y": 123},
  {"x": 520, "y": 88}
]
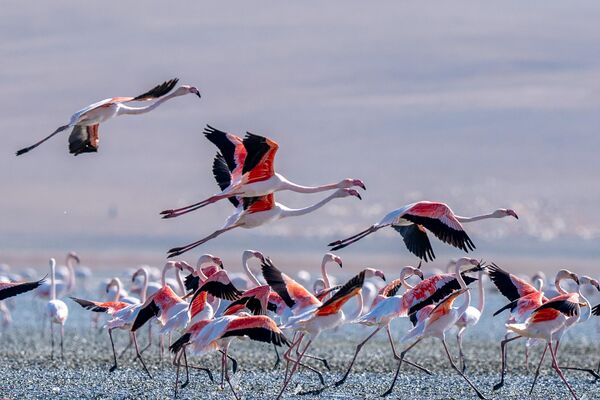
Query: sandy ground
[{"x": 27, "y": 372}]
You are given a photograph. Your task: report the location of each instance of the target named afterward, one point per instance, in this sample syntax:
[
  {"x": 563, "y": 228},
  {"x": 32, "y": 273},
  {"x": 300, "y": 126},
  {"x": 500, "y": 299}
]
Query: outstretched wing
[
  {"x": 84, "y": 139},
  {"x": 346, "y": 292},
  {"x": 157, "y": 91},
  {"x": 222, "y": 175},
  {"x": 260, "y": 158},
  {"x": 230, "y": 146},
  {"x": 290, "y": 291},
  {"x": 416, "y": 241},
  {"x": 511, "y": 286},
  {"x": 9, "y": 289},
  {"x": 439, "y": 219}
]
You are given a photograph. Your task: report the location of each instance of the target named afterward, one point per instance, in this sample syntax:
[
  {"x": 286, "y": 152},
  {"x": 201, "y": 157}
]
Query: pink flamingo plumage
[
  {"x": 414, "y": 220},
  {"x": 245, "y": 168},
  {"x": 85, "y": 122}
]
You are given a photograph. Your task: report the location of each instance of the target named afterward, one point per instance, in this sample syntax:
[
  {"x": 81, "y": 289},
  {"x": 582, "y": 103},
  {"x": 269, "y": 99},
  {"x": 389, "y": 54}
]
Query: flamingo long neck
[
  {"x": 52, "y": 280},
  {"x": 404, "y": 274},
  {"x": 476, "y": 218},
  {"x": 144, "y": 291},
  {"x": 126, "y": 110},
  {"x": 180, "y": 282},
  {"x": 287, "y": 185},
  {"x": 467, "y": 302},
  {"x": 539, "y": 283},
  {"x": 295, "y": 212},
  {"x": 71, "y": 269},
  {"x": 559, "y": 288},
  {"x": 588, "y": 308},
  {"x": 245, "y": 258},
  {"x": 163, "y": 278},
  {"x": 118, "y": 285},
  {"x": 481, "y": 292},
  {"x": 360, "y": 303},
  {"x": 326, "y": 283}
]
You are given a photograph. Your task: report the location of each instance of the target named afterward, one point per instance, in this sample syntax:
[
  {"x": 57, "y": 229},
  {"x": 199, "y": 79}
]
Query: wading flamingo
[
  {"x": 245, "y": 168},
  {"x": 256, "y": 211},
  {"x": 525, "y": 299},
  {"x": 386, "y": 307},
  {"x": 470, "y": 318},
  {"x": 412, "y": 222},
  {"x": 212, "y": 335},
  {"x": 85, "y": 122},
  {"x": 62, "y": 288},
  {"x": 319, "y": 317},
  {"x": 58, "y": 312},
  {"x": 435, "y": 321}
]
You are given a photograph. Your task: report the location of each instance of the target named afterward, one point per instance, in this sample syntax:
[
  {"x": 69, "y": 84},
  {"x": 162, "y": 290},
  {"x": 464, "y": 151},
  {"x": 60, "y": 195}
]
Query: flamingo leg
[
  {"x": 402, "y": 354},
  {"x": 52, "y": 337},
  {"x": 294, "y": 367},
  {"x": 288, "y": 354},
  {"x": 112, "y": 343},
  {"x": 139, "y": 356},
  {"x": 278, "y": 360},
  {"x": 176, "y": 363},
  {"x": 175, "y": 251},
  {"x": 33, "y": 146},
  {"x": 224, "y": 361},
  {"x": 358, "y": 348},
  {"x": 559, "y": 372},
  {"x": 62, "y": 339},
  {"x": 340, "y": 244},
  {"x": 461, "y": 355},
  {"x": 537, "y": 371},
  {"x": 149, "y": 339},
  {"x": 176, "y": 212},
  {"x": 479, "y": 394},
  {"x": 588, "y": 370},
  {"x": 503, "y": 358},
  {"x": 323, "y": 360},
  {"x": 397, "y": 357}
]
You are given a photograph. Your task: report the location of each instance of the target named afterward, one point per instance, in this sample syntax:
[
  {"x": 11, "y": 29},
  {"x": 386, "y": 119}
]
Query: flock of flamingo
[{"x": 205, "y": 311}]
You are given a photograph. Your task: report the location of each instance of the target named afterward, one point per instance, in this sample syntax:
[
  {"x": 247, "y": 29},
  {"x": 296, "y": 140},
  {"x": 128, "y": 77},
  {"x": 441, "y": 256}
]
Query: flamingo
[
  {"x": 211, "y": 335},
  {"x": 85, "y": 122},
  {"x": 256, "y": 211},
  {"x": 324, "y": 281},
  {"x": 315, "y": 317},
  {"x": 385, "y": 308},
  {"x": 470, "y": 318},
  {"x": 245, "y": 168},
  {"x": 57, "y": 310},
  {"x": 412, "y": 221},
  {"x": 10, "y": 289},
  {"x": 544, "y": 323},
  {"x": 62, "y": 288},
  {"x": 524, "y": 300},
  {"x": 435, "y": 321}
]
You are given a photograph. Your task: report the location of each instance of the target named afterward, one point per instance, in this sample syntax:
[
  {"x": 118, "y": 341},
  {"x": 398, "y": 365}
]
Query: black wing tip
[
  {"x": 596, "y": 310},
  {"x": 159, "y": 90},
  {"x": 180, "y": 343}
]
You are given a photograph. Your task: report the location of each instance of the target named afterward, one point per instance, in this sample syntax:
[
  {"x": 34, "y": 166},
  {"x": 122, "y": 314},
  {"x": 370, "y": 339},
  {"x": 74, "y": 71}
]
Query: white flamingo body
[{"x": 57, "y": 310}]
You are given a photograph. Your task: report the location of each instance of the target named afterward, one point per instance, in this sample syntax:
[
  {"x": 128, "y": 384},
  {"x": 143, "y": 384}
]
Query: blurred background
[{"x": 478, "y": 105}]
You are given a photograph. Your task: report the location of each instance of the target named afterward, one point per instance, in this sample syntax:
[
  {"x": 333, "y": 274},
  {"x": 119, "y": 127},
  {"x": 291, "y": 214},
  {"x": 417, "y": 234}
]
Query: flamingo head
[
  {"x": 370, "y": 272},
  {"x": 590, "y": 281},
  {"x": 505, "y": 212},
  {"x": 184, "y": 265},
  {"x": 187, "y": 89},
  {"x": 72, "y": 255},
  {"x": 349, "y": 183},
  {"x": 333, "y": 258},
  {"x": 348, "y": 192},
  {"x": 566, "y": 274}
]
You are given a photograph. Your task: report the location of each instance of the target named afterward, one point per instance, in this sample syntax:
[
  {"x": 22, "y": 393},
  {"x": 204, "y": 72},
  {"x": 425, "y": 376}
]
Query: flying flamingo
[
  {"x": 10, "y": 289},
  {"x": 412, "y": 221},
  {"x": 385, "y": 308},
  {"x": 544, "y": 322},
  {"x": 211, "y": 335},
  {"x": 524, "y": 300},
  {"x": 58, "y": 312},
  {"x": 257, "y": 211},
  {"x": 85, "y": 122},
  {"x": 438, "y": 319},
  {"x": 470, "y": 318},
  {"x": 245, "y": 168},
  {"x": 314, "y": 318}
]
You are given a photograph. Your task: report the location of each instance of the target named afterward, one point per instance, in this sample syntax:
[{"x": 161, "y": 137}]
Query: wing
[
  {"x": 440, "y": 220},
  {"x": 95, "y": 306},
  {"x": 566, "y": 304},
  {"x": 350, "y": 289},
  {"x": 509, "y": 285},
  {"x": 191, "y": 283},
  {"x": 260, "y": 159},
  {"x": 290, "y": 291},
  {"x": 83, "y": 139},
  {"x": 157, "y": 91},
  {"x": 147, "y": 312},
  {"x": 257, "y": 327},
  {"x": 222, "y": 175},
  {"x": 219, "y": 285},
  {"x": 431, "y": 291},
  {"x": 258, "y": 204},
  {"x": 416, "y": 241},
  {"x": 231, "y": 147},
  {"x": 323, "y": 293},
  {"x": 9, "y": 289},
  {"x": 391, "y": 289}
]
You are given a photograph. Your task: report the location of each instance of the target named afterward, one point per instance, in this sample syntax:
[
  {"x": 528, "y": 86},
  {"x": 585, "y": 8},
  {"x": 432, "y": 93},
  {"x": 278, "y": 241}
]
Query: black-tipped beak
[
  {"x": 362, "y": 186},
  {"x": 198, "y": 94},
  {"x": 358, "y": 195}
]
